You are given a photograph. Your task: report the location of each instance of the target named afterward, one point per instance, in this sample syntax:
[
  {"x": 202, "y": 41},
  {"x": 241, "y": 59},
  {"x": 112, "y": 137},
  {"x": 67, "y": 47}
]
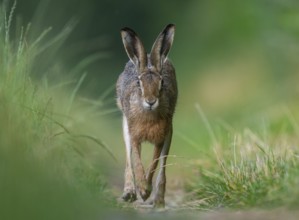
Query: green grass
[
  {"x": 254, "y": 167},
  {"x": 50, "y": 158}
]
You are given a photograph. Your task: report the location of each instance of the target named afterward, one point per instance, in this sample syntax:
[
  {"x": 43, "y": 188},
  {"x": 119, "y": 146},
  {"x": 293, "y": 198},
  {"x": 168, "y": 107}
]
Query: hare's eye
[{"x": 138, "y": 83}]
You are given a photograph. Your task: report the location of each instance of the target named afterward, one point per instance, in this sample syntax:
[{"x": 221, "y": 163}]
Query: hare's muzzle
[{"x": 150, "y": 104}]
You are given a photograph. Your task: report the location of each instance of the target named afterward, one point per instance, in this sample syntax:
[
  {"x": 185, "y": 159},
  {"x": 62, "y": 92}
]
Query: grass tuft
[{"x": 248, "y": 172}]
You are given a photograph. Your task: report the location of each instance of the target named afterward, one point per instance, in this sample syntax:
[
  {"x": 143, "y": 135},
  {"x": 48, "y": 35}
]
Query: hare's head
[{"x": 149, "y": 67}]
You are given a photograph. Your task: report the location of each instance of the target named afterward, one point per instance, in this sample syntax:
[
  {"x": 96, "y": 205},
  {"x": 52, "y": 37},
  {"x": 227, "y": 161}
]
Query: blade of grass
[
  {"x": 8, "y": 23},
  {"x": 74, "y": 93},
  {"x": 207, "y": 124},
  {"x": 99, "y": 142}
]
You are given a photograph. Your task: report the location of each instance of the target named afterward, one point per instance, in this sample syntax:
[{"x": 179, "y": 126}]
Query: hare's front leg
[
  {"x": 129, "y": 188},
  {"x": 161, "y": 178},
  {"x": 143, "y": 187}
]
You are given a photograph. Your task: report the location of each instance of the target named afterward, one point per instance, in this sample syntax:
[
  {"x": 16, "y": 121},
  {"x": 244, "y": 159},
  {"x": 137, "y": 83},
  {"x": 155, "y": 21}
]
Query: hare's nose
[{"x": 151, "y": 102}]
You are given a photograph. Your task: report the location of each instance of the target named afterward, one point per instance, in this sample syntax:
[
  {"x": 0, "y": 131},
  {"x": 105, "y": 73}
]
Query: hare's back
[
  {"x": 126, "y": 78},
  {"x": 125, "y": 83},
  {"x": 170, "y": 89}
]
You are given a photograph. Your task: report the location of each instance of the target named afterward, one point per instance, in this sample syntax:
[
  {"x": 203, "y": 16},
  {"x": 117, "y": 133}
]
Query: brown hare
[{"x": 147, "y": 95}]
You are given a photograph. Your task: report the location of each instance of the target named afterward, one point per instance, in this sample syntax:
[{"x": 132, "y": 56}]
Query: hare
[{"x": 147, "y": 95}]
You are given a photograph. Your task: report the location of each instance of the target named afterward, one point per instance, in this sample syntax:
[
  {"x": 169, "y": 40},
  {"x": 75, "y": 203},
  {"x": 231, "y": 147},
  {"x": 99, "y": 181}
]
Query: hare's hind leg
[
  {"x": 153, "y": 166},
  {"x": 161, "y": 178},
  {"x": 129, "y": 188}
]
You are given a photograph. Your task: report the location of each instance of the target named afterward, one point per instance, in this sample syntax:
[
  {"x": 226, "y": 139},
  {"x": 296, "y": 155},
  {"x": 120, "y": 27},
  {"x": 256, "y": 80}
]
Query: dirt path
[
  {"x": 174, "y": 199},
  {"x": 178, "y": 208}
]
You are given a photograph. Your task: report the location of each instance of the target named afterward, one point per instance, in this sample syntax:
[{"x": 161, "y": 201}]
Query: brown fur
[{"x": 147, "y": 94}]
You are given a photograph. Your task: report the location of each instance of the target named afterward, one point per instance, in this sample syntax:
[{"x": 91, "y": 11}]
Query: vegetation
[
  {"x": 252, "y": 168},
  {"x": 54, "y": 160},
  {"x": 49, "y": 160}
]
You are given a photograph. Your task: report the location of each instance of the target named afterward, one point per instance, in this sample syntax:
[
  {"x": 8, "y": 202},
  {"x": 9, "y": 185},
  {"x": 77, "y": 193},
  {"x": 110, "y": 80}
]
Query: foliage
[
  {"x": 250, "y": 171},
  {"x": 47, "y": 163}
]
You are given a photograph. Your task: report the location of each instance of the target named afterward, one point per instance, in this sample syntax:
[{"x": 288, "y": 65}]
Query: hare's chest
[{"x": 151, "y": 131}]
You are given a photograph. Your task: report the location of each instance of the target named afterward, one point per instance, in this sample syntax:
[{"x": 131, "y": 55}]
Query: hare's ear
[
  {"x": 134, "y": 48},
  {"x": 162, "y": 46}
]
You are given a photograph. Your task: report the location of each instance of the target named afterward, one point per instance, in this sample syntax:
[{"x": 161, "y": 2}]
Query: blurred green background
[
  {"x": 237, "y": 59},
  {"x": 225, "y": 52},
  {"x": 212, "y": 36}
]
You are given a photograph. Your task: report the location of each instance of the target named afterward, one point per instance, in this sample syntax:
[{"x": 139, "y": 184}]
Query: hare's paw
[
  {"x": 129, "y": 196},
  {"x": 158, "y": 203},
  {"x": 145, "y": 190}
]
